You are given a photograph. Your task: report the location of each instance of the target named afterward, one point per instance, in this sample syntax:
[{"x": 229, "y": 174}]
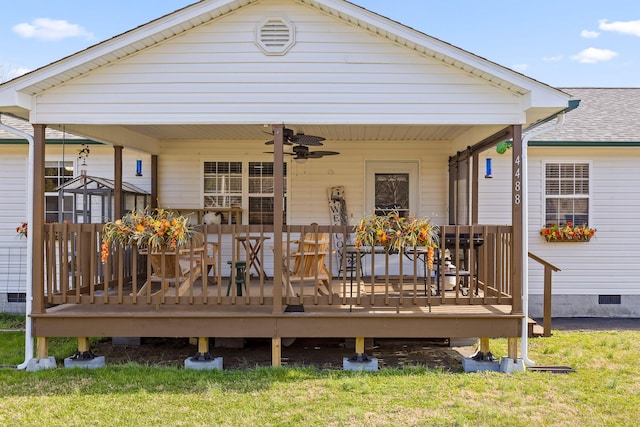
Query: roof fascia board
[
  {"x": 555, "y": 98},
  {"x": 12, "y": 99}
]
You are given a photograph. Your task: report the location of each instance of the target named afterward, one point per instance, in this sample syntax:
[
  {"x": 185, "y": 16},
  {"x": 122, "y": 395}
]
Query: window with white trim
[
  {"x": 248, "y": 185},
  {"x": 57, "y": 173},
  {"x": 567, "y": 188}
]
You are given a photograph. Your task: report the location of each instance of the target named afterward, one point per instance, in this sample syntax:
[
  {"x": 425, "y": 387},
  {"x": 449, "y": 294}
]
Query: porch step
[{"x": 534, "y": 329}]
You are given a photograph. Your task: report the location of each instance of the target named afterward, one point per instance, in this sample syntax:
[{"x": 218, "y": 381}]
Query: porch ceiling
[{"x": 330, "y": 132}]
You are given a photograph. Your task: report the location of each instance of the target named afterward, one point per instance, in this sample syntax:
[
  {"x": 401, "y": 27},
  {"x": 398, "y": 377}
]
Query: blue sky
[{"x": 564, "y": 43}]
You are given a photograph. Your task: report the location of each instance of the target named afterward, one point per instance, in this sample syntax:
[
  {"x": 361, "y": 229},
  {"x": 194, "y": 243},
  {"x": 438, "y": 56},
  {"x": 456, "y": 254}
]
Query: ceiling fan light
[{"x": 300, "y": 160}]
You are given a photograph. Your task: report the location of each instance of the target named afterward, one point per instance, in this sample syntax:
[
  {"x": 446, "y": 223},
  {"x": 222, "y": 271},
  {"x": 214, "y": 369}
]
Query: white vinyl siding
[
  {"x": 608, "y": 264},
  {"x": 335, "y": 73},
  {"x": 13, "y": 249},
  {"x": 307, "y": 184}
]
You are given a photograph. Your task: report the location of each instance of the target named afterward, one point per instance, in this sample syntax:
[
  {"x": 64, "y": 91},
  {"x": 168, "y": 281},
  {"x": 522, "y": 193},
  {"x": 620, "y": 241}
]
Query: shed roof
[{"x": 97, "y": 183}]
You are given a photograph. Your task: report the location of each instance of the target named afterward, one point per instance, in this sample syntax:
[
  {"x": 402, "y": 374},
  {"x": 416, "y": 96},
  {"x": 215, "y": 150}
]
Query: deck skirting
[{"x": 473, "y": 321}]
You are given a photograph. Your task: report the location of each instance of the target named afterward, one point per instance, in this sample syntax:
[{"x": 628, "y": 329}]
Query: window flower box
[{"x": 567, "y": 233}]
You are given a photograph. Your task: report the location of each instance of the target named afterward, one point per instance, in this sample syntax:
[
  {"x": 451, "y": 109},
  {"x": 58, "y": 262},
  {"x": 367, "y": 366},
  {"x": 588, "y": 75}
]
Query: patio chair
[
  {"x": 182, "y": 267},
  {"x": 306, "y": 263},
  {"x": 211, "y": 254}
]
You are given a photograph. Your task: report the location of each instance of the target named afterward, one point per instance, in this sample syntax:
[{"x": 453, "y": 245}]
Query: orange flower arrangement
[
  {"x": 155, "y": 229},
  {"x": 394, "y": 231},
  {"x": 567, "y": 232}
]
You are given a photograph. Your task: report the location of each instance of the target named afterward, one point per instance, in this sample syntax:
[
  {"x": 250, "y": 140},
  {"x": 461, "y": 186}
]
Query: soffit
[{"x": 330, "y": 132}]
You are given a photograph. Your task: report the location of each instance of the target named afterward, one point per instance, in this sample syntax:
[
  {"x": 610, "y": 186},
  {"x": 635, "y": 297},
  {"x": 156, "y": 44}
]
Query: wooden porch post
[
  {"x": 518, "y": 253},
  {"x": 37, "y": 228},
  {"x": 276, "y": 352},
  {"x": 118, "y": 210},
  {"x": 83, "y": 345},
  {"x": 475, "y": 176},
  {"x": 278, "y": 214},
  {"x": 512, "y": 348},
  {"x": 154, "y": 181},
  {"x": 203, "y": 345},
  {"x": 42, "y": 348}
]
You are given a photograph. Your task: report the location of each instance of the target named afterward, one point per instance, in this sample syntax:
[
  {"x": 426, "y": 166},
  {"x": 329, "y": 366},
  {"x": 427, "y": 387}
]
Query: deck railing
[{"x": 322, "y": 267}]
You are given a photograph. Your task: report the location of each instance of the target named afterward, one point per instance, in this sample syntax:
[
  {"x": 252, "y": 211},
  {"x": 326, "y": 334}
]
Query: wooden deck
[{"x": 74, "y": 303}]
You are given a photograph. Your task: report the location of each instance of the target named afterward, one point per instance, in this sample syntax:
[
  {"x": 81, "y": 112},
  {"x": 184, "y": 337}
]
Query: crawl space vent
[
  {"x": 609, "y": 299},
  {"x": 275, "y": 36}
]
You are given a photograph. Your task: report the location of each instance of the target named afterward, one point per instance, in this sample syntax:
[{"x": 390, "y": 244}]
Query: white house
[{"x": 202, "y": 89}]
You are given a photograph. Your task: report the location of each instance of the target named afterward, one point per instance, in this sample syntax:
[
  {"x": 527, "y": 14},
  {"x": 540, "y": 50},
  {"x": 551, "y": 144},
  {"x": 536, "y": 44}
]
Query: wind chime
[{"x": 83, "y": 154}]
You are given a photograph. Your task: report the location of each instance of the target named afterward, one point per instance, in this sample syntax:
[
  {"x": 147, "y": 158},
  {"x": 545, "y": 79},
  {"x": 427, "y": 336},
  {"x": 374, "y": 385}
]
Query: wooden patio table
[{"x": 252, "y": 246}]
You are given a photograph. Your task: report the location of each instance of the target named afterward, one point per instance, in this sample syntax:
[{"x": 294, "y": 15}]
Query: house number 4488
[{"x": 517, "y": 184}]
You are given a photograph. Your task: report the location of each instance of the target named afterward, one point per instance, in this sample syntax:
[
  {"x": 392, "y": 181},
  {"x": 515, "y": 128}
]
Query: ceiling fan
[
  {"x": 301, "y": 151},
  {"x": 291, "y": 138}
]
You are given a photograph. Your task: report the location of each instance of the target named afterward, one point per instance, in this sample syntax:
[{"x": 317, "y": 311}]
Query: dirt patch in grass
[{"x": 320, "y": 353}]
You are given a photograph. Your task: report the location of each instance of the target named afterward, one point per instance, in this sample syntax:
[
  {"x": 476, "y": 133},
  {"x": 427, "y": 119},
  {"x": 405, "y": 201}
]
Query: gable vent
[{"x": 275, "y": 36}]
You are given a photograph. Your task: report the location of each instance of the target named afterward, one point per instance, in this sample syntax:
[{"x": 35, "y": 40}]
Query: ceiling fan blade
[
  {"x": 287, "y": 137},
  {"x": 285, "y": 153},
  {"x": 303, "y": 139},
  {"x": 325, "y": 153},
  {"x": 285, "y": 142}
]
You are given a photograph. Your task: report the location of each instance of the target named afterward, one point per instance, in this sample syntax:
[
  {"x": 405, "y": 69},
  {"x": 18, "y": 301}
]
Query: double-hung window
[
  {"x": 248, "y": 185},
  {"x": 57, "y": 209},
  {"x": 567, "y": 189}
]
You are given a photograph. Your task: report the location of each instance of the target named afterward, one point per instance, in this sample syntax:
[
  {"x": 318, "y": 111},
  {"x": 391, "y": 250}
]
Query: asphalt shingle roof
[
  {"x": 26, "y": 127},
  {"x": 604, "y": 115}
]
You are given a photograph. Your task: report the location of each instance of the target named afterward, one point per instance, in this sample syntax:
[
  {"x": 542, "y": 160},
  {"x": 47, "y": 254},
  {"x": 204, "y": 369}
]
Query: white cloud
[
  {"x": 624, "y": 27},
  {"x": 555, "y": 58},
  {"x": 587, "y": 34},
  {"x": 50, "y": 30},
  {"x": 592, "y": 55},
  {"x": 521, "y": 68}
]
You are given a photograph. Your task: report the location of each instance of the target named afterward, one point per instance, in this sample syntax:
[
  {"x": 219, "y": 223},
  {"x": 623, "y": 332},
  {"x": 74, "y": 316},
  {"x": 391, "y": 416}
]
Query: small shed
[{"x": 93, "y": 198}]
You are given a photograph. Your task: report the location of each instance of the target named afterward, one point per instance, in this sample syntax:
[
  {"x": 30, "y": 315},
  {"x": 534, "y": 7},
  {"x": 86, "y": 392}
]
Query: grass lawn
[{"x": 604, "y": 391}]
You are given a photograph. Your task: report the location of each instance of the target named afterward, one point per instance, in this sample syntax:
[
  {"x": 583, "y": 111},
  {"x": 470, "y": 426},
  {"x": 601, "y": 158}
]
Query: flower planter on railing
[{"x": 396, "y": 233}]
